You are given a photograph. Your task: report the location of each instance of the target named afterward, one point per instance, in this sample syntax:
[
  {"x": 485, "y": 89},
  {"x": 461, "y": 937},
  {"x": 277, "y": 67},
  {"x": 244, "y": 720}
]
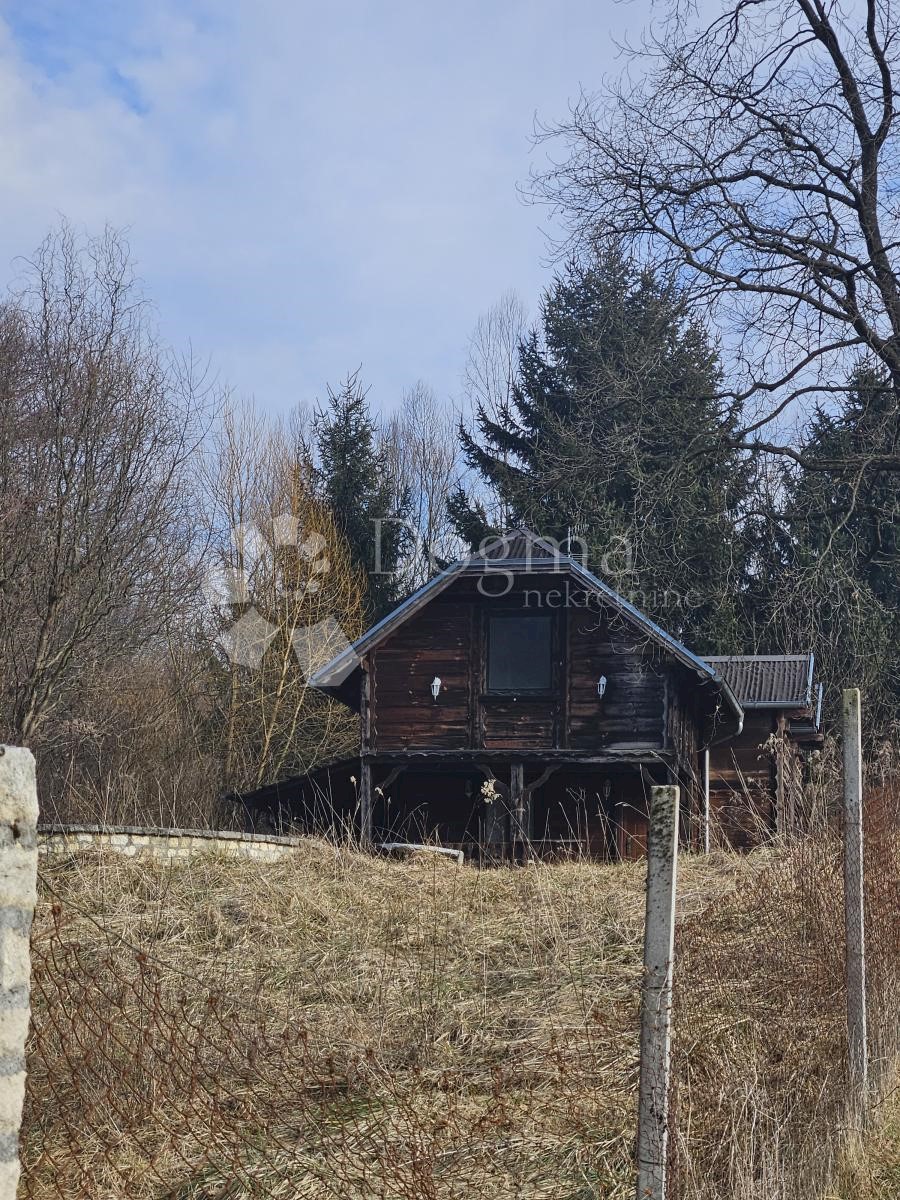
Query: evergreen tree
[
  {"x": 841, "y": 582},
  {"x": 613, "y": 435},
  {"x": 469, "y": 518},
  {"x": 353, "y": 480}
]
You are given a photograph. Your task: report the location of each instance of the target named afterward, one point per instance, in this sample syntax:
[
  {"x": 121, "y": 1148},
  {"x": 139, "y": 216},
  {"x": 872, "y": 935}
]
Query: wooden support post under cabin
[
  {"x": 519, "y": 805},
  {"x": 706, "y": 814},
  {"x": 656, "y": 994},
  {"x": 365, "y": 803},
  {"x": 365, "y": 782},
  {"x": 496, "y": 817},
  {"x": 854, "y": 904},
  {"x": 783, "y": 818}
]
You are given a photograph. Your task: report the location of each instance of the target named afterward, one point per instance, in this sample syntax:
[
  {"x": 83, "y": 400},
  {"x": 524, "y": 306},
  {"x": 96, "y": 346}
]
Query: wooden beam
[
  {"x": 365, "y": 707},
  {"x": 542, "y": 778},
  {"x": 488, "y": 773},
  {"x": 474, "y": 680},
  {"x": 365, "y": 802},
  {"x": 365, "y": 738},
  {"x": 392, "y": 776},
  {"x": 518, "y": 807},
  {"x": 624, "y": 756},
  {"x": 782, "y": 815}
]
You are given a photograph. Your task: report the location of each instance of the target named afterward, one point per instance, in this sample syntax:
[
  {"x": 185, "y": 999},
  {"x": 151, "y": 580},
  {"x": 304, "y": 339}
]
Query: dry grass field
[
  {"x": 871, "y": 1171},
  {"x": 341, "y": 1026},
  {"x": 338, "y": 1025}
]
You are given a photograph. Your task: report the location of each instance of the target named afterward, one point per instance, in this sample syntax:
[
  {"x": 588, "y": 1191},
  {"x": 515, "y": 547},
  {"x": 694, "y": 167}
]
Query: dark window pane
[{"x": 519, "y": 654}]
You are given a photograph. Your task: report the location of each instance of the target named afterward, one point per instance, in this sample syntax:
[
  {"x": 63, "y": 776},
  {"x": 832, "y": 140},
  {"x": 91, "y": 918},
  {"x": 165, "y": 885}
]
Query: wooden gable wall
[{"x": 447, "y": 639}]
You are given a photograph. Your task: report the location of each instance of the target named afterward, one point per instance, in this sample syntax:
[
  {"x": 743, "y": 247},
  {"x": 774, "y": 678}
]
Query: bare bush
[{"x": 286, "y": 599}]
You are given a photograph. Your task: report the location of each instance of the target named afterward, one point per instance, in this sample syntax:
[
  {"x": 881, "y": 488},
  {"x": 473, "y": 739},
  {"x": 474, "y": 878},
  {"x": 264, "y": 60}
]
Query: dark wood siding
[
  {"x": 684, "y": 722},
  {"x": 449, "y": 639},
  {"x": 434, "y": 642},
  {"x": 742, "y": 785},
  {"x": 631, "y": 712},
  {"x": 523, "y": 722}
]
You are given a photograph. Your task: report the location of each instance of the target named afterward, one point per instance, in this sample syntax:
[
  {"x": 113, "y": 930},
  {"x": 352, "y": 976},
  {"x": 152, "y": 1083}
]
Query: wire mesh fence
[
  {"x": 337, "y": 1026},
  {"x": 762, "y": 1102}
]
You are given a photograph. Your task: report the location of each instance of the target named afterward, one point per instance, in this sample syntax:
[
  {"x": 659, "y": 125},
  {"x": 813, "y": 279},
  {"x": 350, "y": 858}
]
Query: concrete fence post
[
  {"x": 656, "y": 994},
  {"x": 854, "y": 899},
  {"x": 18, "y": 894}
]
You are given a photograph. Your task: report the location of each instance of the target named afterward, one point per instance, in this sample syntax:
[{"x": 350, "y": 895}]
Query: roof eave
[{"x": 334, "y": 673}]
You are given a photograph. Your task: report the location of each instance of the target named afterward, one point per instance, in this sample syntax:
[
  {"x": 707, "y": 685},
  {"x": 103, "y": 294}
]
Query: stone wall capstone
[{"x": 165, "y": 845}]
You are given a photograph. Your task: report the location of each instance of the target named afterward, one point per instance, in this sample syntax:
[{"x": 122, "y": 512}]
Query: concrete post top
[
  {"x": 18, "y": 794},
  {"x": 851, "y": 700}
]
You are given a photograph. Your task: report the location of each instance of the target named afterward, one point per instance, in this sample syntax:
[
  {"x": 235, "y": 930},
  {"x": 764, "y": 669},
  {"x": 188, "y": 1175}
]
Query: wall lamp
[
  {"x": 435, "y": 688},
  {"x": 601, "y": 686}
]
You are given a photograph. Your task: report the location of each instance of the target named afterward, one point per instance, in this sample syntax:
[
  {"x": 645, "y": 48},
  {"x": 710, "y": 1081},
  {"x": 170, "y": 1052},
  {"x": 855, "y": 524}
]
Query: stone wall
[{"x": 168, "y": 845}]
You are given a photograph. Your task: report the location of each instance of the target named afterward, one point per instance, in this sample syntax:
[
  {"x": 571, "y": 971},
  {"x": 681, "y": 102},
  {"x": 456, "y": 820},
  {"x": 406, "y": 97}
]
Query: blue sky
[{"x": 307, "y": 187}]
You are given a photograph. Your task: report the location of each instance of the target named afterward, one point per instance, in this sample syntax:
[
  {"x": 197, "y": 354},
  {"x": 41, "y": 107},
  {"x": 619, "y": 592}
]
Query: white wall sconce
[
  {"x": 601, "y": 686},
  {"x": 435, "y": 688}
]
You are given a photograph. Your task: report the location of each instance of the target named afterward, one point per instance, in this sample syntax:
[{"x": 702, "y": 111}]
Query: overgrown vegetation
[
  {"x": 870, "y": 1169},
  {"x": 339, "y": 1025}
]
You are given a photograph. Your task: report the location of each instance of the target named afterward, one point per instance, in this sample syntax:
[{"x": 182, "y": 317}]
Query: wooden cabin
[
  {"x": 516, "y": 705},
  {"x": 756, "y": 777}
]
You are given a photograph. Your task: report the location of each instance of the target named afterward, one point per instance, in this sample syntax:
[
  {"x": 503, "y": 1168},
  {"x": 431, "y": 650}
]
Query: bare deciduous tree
[
  {"x": 492, "y": 363},
  {"x": 288, "y": 600},
  {"x": 493, "y": 356},
  {"x": 421, "y": 455},
  {"x": 757, "y": 159},
  {"x": 98, "y": 551}
]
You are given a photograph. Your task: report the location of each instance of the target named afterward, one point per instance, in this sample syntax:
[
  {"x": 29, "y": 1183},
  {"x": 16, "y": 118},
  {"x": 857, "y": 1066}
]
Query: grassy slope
[
  {"x": 339, "y": 1026},
  {"x": 872, "y": 1171}
]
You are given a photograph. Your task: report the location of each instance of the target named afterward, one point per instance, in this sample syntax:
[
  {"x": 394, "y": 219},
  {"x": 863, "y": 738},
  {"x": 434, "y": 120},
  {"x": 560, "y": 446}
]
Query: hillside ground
[{"x": 336, "y": 1025}]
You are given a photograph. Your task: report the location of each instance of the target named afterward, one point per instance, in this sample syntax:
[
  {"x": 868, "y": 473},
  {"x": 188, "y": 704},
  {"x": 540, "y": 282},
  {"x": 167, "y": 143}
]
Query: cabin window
[{"x": 519, "y": 654}]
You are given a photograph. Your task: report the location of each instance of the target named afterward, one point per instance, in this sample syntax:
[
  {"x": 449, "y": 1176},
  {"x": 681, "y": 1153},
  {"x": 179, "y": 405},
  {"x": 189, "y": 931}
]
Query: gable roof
[
  {"x": 768, "y": 680},
  {"x": 518, "y": 551}
]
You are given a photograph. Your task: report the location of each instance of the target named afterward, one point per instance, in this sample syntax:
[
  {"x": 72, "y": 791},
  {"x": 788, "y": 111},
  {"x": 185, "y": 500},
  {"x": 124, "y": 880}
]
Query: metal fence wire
[
  {"x": 761, "y": 1099},
  {"x": 371, "y": 1067},
  {"x": 465, "y": 1054}
]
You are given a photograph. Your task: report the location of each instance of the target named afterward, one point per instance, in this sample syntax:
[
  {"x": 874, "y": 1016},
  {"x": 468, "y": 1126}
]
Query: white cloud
[{"x": 307, "y": 187}]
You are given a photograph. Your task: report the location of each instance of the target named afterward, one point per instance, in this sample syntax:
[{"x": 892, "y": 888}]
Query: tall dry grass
[
  {"x": 869, "y": 1169},
  {"x": 337, "y": 1025},
  {"x": 342, "y": 1026},
  {"x": 763, "y": 1109}
]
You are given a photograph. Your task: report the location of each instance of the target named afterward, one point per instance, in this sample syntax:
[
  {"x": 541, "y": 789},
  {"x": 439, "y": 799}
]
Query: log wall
[{"x": 448, "y": 640}]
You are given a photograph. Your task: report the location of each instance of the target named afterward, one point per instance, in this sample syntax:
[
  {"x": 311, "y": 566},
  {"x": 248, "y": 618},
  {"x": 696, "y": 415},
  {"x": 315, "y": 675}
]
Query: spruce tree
[
  {"x": 353, "y": 480},
  {"x": 613, "y": 434},
  {"x": 841, "y": 583}
]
